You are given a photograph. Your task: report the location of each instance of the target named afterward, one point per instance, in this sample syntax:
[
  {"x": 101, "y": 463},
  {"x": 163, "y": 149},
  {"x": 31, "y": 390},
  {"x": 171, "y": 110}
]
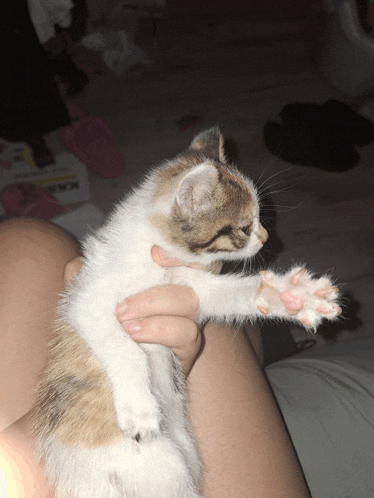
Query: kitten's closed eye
[{"x": 225, "y": 231}]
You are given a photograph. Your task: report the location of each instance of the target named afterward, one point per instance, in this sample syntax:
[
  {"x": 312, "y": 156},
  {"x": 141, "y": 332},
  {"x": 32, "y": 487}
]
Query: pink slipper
[
  {"x": 27, "y": 199},
  {"x": 93, "y": 143}
]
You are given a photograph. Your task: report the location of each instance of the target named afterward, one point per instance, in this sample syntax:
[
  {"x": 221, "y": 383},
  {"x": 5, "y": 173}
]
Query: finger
[
  {"x": 160, "y": 257},
  {"x": 179, "y": 333},
  {"x": 172, "y": 331},
  {"x": 71, "y": 269},
  {"x": 174, "y": 300}
]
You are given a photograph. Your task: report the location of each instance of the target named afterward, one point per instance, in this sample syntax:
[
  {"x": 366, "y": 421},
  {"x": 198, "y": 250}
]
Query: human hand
[{"x": 166, "y": 315}]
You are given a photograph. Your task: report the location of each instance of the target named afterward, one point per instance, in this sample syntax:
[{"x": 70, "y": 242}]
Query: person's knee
[{"x": 30, "y": 235}]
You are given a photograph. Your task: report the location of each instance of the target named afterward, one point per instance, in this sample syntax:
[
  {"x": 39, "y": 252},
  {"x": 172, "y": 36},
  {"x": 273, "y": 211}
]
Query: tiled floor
[{"x": 239, "y": 70}]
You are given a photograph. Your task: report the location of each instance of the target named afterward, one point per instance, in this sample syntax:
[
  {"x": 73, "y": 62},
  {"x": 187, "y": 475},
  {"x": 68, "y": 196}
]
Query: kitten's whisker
[
  {"x": 268, "y": 192},
  {"x": 265, "y": 189},
  {"x": 262, "y": 173},
  {"x": 287, "y": 188},
  {"x": 280, "y": 208},
  {"x": 270, "y": 177},
  {"x": 270, "y": 164},
  {"x": 261, "y": 259},
  {"x": 290, "y": 208}
]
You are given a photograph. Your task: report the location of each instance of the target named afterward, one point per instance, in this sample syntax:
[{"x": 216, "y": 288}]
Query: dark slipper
[
  {"x": 297, "y": 144},
  {"x": 359, "y": 128},
  {"x": 333, "y": 118}
]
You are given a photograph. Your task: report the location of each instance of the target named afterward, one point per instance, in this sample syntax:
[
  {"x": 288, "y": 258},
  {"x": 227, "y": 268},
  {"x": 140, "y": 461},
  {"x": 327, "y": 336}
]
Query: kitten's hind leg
[
  {"x": 138, "y": 412},
  {"x": 125, "y": 364}
]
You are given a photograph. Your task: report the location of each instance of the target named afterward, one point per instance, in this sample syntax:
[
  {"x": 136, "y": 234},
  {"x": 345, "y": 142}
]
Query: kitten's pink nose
[{"x": 262, "y": 234}]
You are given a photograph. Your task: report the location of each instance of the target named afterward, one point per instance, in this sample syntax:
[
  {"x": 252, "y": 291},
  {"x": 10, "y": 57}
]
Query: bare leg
[
  {"x": 242, "y": 438},
  {"x": 254, "y": 335},
  {"x": 33, "y": 257},
  {"x": 243, "y": 441}
]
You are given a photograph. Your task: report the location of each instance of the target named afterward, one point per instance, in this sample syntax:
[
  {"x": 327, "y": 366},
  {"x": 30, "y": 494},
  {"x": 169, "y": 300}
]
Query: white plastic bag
[{"x": 118, "y": 51}]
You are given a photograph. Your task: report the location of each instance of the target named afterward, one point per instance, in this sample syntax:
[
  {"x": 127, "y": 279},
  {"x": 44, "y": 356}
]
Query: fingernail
[
  {"x": 163, "y": 255},
  {"x": 122, "y": 308},
  {"x": 132, "y": 326}
]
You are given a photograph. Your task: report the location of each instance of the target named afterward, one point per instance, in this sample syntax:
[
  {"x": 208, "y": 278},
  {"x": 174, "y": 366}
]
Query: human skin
[{"x": 244, "y": 444}]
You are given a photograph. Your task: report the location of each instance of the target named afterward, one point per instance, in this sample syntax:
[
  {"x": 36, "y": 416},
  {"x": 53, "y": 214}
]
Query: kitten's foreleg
[
  {"x": 224, "y": 297},
  {"x": 295, "y": 296}
]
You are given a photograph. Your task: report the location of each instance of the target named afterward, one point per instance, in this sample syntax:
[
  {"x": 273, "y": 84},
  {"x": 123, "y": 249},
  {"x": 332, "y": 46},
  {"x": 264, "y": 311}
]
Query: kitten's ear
[
  {"x": 195, "y": 190},
  {"x": 211, "y": 143}
]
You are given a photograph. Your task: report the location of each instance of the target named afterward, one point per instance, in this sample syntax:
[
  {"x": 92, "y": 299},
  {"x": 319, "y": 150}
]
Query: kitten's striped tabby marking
[{"x": 111, "y": 415}]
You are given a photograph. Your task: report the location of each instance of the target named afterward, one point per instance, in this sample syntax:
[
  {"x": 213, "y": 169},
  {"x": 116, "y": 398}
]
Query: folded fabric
[
  {"x": 93, "y": 143},
  {"x": 326, "y": 397}
]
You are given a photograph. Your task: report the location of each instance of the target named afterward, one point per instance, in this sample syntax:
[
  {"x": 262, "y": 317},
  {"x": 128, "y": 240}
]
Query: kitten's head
[{"x": 206, "y": 209}]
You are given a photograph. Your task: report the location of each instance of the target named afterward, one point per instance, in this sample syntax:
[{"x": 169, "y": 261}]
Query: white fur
[{"x": 165, "y": 462}]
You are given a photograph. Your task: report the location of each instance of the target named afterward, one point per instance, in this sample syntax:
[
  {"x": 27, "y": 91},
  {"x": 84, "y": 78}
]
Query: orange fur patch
[{"x": 73, "y": 400}]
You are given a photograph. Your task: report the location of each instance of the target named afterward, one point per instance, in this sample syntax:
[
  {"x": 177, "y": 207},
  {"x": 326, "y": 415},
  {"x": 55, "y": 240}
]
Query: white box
[
  {"x": 81, "y": 221},
  {"x": 67, "y": 179}
]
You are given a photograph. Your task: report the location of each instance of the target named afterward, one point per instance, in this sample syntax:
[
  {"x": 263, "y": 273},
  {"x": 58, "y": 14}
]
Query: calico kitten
[{"x": 111, "y": 415}]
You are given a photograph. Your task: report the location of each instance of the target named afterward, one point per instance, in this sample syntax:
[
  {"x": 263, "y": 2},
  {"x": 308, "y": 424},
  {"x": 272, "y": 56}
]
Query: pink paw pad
[
  {"x": 263, "y": 309},
  {"x": 298, "y": 276},
  {"x": 306, "y": 321},
  {"x": 265, "y": 275},
  {"x": 320, "y": 292},
  {"x": 324, "y": 309},
  {"x": 292, "y": 302}
]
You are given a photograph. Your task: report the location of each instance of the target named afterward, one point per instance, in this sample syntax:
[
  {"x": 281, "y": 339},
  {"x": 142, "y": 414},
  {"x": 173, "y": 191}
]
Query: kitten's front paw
[
  {"x": 140, "y": 420},
  {"x": 296, "y": 294}
]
